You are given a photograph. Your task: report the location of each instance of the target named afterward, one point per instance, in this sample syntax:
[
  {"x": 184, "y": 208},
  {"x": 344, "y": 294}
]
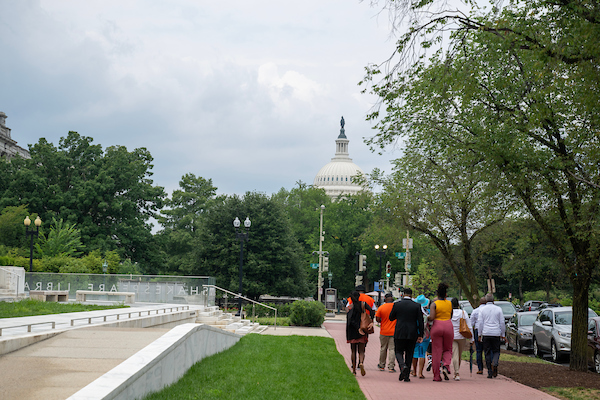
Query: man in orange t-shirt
[
  {"x": 386, "y": 334},
  {"x": 363, "y": 297}
]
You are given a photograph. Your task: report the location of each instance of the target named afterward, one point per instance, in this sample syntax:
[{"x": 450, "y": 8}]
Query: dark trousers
[
  {"x": 405, "y": 348},
  {"x": 479, "y": 349},
  {"x": 491, "y": 347}
]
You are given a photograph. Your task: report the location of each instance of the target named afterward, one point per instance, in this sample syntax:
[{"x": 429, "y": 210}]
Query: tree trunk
[{"x": 581, "y": 284}]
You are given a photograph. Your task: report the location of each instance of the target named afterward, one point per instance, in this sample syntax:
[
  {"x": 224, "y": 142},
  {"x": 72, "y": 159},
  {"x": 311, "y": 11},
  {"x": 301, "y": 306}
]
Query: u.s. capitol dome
[{"x": 336, "y": 177}]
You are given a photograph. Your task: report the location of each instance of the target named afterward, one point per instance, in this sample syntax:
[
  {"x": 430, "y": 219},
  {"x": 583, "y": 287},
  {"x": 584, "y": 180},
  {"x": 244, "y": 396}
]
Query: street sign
[
  {"x": 314, "y": 265},
  {"x": 400, "y": 255}
]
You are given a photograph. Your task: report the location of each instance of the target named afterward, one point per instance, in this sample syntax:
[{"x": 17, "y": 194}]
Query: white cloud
[{"x": 247, "y": 93}]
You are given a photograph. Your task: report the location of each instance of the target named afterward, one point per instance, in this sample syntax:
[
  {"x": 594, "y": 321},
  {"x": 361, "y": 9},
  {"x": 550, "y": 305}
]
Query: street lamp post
[
  {"x": 32, "y": 233},
  {"x": 380, "y": 253},
  {"x": 242, "y": 236}
]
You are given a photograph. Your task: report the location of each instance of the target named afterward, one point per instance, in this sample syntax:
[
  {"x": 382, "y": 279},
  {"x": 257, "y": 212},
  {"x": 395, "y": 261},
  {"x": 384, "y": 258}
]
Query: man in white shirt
[
  {"x": 491, "y": 328},
  {"x": 478, "y": 344}
]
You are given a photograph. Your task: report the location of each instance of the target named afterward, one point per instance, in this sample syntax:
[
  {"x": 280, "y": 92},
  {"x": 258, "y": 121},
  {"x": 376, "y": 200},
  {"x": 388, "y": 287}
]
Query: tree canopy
[{"x": 517, "y": 87}]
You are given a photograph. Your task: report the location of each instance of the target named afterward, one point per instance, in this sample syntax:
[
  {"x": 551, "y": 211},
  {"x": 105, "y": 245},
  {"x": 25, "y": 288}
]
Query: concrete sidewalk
[
  {"x": 58, "y": 367},
  {"x": 377, "y": 385},
  {"x": 71, "y": 357}
]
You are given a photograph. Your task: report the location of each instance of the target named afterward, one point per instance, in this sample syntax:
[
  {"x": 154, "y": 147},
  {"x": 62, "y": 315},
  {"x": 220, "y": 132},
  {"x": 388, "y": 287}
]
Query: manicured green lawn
[
  {"x": 281, "y": 321},
  {"x": 269, "y": 367},
  {"x": 28, "y": 307}
]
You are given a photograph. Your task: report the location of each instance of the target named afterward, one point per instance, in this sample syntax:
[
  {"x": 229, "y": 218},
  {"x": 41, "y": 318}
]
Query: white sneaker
[{"x": 456, "y": 377}]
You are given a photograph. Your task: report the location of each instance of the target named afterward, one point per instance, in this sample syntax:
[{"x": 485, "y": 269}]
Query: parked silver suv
[{"x": 552, "y": 332}]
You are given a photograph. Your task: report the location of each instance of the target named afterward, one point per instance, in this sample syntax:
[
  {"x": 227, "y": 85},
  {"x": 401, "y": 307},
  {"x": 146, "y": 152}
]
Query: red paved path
[{"x": 380, "y": 385}]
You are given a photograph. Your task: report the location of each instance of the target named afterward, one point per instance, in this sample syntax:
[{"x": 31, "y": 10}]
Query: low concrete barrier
[
  {"x": 159, "y": 364},
  {"x": 81, "y": 295}
]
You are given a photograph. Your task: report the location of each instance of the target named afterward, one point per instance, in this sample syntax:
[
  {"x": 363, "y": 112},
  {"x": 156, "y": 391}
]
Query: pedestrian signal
[{"x": 359, "y": 280}]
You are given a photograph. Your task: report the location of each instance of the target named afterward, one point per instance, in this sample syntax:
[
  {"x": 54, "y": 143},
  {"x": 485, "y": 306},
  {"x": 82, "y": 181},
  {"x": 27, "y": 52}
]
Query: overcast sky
[{"x": 247, "y": 93}]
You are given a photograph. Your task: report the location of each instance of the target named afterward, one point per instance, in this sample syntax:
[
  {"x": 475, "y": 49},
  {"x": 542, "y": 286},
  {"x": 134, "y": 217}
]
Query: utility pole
[{"x": 321, "y": 239}]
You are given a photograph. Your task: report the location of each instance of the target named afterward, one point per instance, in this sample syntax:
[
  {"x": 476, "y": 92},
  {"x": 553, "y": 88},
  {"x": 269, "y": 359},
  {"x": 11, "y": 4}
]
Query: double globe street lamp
[
  {"x": 242, "y": 236},
  {"x": 32, "y": 233},
  {"x": 380, "y": 253}
]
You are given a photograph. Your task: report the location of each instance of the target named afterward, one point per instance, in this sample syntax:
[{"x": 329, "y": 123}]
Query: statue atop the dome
[{"x": 342, "y": 122}]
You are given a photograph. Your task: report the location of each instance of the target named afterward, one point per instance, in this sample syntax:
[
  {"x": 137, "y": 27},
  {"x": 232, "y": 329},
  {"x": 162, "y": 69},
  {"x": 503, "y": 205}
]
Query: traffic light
[
  {"x": 398, "y": 279},
  {"x": 359, "y": 280},
  {"x": 321, "y": 281},
  {"x": 362, "y": 262},
  {"x": 388, "y": 269},
  {"x": 325, "y": 264}
]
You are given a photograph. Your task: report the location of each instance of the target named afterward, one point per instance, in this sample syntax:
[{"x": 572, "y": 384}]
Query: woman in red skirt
[{"x": 354, "y": 335}]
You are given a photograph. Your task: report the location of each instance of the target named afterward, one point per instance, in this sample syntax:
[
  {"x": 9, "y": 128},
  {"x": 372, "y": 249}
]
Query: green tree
[
  {"x": 12, "y": 230},
  {"x": 63, "y": 239},
  {"x": 518, "y": 88},
  {"x": 181, "y": 221},
  {"x": 345, "y": 221},
  {"x": 272, "y": 255},
  {"x": 425, "y": 280},
  {"x": 107, "y": 194},
  {"x": 448, "y": 199}
]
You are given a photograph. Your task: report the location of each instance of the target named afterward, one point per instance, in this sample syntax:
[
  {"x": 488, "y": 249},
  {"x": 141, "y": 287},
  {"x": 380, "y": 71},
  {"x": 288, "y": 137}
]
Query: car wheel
[
  {"x": 597, "y": 362},
  {"x": 536, "y": 349},
  {"x": 555, "y": 353},
  {"x": 519, "y": 349}
]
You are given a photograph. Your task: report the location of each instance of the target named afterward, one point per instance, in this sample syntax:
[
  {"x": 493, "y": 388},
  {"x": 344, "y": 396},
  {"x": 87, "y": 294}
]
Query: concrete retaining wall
[
  {"x": 159, "y": 364},
  {"x": 12, "y": 343}
]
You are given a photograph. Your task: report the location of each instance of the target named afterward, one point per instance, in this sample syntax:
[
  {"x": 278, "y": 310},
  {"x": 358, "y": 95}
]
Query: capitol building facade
[{"x": 336, "y": 177}]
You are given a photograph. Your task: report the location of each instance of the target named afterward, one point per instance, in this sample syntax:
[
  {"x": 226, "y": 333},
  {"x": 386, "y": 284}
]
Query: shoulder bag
[
  {"x": 366, "y": 323},
  {"x": 464, "y": 328}
]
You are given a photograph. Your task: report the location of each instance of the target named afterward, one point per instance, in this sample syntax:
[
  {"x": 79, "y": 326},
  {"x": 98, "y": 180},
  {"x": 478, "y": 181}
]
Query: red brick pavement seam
[{"x": 381, "y": 385}]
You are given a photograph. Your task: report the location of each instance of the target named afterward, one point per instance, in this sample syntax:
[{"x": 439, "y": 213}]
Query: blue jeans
[{"x": 479, "y": 349}]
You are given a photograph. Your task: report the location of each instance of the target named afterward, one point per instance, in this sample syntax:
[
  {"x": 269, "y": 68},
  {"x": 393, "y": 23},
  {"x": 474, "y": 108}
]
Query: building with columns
[
  {"x": 336, "y": 177},
  {"x": 8, "y": 146}
]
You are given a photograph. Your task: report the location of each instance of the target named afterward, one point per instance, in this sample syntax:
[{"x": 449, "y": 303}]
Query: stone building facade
[{"x": 8, "y": 146}]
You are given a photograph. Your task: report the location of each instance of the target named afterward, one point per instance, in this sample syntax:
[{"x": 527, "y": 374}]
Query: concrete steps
[{"x": 213, "y": 316}]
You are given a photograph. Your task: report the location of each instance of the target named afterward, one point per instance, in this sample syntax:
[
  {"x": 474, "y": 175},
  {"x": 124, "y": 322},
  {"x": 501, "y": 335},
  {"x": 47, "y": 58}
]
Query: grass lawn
[
  {"x": 281, "y": 321},
  {"x": 573, "y": 393},
  {"x": 269, "y": 367},
  {"x": 28, "y": 307}
]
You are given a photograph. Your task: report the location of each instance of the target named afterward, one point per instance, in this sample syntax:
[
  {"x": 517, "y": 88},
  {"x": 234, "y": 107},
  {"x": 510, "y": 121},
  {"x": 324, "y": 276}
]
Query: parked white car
[{"x": 552, "y": 332}]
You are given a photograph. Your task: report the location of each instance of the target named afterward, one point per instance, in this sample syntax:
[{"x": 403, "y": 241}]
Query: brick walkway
[{"x": 380, "y": 385}]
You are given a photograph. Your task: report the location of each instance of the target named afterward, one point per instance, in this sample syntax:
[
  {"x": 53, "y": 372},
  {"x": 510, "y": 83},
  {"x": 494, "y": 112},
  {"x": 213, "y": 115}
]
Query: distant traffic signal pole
[{"x": 380, "y": 254}]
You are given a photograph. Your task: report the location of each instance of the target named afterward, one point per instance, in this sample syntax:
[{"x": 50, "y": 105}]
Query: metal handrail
[
  {"x": 17, "y": 275},
  {"x": 28, "y": 326},
  {"x": 131, "y": 312},
  {"x": 245, "y": 298},
  {"x": 164, "y": 310}
]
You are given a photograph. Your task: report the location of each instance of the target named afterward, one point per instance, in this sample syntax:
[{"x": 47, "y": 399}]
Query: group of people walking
[{"x": 415, "y": 332}]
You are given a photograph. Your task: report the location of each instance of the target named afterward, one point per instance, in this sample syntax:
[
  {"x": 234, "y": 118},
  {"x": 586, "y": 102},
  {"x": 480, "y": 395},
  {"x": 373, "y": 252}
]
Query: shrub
[{"x": 307, "y": 313}]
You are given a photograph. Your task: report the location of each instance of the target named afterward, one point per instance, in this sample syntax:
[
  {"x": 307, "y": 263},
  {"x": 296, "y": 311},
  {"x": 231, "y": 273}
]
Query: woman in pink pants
[{"x": 442, "y": 333}]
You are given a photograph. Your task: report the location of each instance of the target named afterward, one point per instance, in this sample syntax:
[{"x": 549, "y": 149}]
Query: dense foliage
[{"x": 516, "y": 89}]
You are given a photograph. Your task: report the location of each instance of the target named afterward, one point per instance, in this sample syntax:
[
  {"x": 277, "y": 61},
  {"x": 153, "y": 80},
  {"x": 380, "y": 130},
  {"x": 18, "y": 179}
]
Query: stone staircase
[{"x": 214, "y": 316}]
